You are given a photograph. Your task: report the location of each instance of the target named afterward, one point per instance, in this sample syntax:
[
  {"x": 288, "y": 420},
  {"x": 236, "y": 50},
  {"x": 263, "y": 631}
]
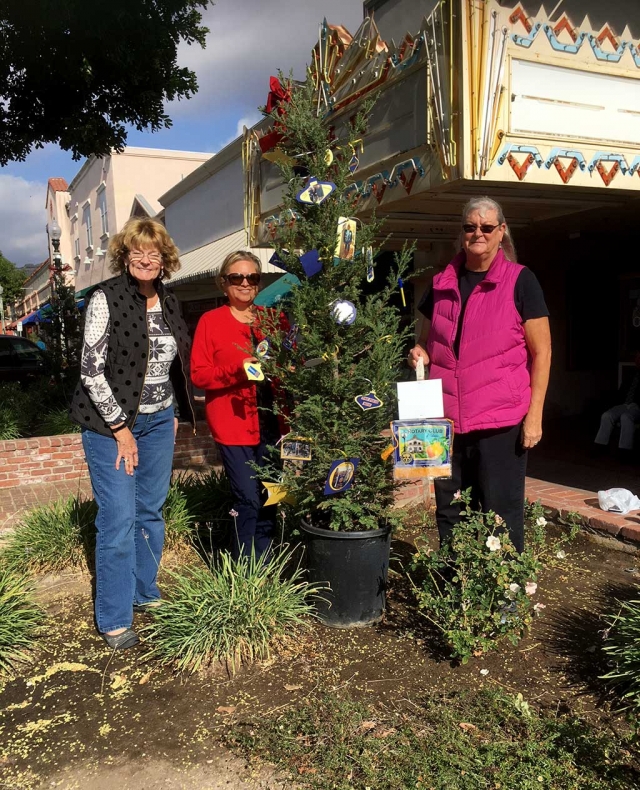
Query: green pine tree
[{"x": 355, "y": 359}]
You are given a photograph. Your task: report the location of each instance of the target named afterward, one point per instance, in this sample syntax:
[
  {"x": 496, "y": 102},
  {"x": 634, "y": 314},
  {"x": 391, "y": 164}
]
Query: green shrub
[
  {"x": 9, "y": 425},
  {"x": 178, "y": 519},
  {"x": 484, "y": 741},
  {"x": 52, "y": 538},
  {"x": 228, "y": 611},
  {"x": 20, "y": 618},
  {"x": 478, "y": 589},
  {"x": 622, "y": 645},
  {"x": 55, "y": 423},
  {"x": 208, "y": 496}
]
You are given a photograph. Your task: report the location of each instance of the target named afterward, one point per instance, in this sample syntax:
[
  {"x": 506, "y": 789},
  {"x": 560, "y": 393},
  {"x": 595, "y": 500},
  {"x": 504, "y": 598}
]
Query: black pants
[
  {"x": 493, "y": 464},
  {"x": 254, "y": 524}
]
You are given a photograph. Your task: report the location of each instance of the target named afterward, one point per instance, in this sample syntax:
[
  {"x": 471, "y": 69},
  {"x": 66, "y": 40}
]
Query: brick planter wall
[{"x": 51, "y": 459}]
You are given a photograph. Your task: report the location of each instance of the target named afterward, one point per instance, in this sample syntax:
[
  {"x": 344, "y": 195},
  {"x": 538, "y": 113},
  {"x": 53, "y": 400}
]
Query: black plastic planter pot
[{"x": 354, "y": 565}]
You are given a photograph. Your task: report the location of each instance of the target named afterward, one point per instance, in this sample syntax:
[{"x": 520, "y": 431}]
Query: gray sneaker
[{"x": 123, "y": 641}]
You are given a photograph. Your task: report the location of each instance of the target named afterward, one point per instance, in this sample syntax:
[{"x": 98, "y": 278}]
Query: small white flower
[
  {"x": 458, "y": 494},
  {"x": 538, "y": 607},
  {"x": 541, "y": 522},
  {"x": 484, "y": 671},
  {"x": 515, "y": 588},
  {"x": 561, "y": 555},
  {"x": 493, "y": 543},
  {"x": 499, "y": 520},
  {"x": 530, "y": 588},
  {"x": 233, "y": 513}
]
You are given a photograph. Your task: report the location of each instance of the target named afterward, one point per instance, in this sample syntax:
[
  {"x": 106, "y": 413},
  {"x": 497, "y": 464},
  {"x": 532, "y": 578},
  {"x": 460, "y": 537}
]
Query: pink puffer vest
[{"x": 489, "y": 386}]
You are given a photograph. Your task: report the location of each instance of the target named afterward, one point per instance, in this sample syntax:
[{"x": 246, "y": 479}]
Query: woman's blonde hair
[
  {"x": 482, "y": 205},
  {"x": 234, "y": 257},
  {"x": 144, "y": 232}
]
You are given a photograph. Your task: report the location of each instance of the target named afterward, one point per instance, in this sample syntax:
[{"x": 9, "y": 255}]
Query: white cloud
[
  {"x": 22, "y": 220},
  {"x": 249, "y": 41}
]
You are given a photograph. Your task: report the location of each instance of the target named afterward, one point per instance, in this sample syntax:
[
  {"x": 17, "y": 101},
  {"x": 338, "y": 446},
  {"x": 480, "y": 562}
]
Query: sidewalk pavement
[{"x": 559, "y": 499}]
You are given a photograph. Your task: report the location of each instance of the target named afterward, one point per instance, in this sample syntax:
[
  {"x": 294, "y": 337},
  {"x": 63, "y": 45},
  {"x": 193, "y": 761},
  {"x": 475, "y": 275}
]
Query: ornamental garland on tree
[{"x": 343, "y": 355}]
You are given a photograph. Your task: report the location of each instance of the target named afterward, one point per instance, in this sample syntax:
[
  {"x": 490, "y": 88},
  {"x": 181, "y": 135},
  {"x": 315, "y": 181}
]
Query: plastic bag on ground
[{"x": 618, "y": 500}]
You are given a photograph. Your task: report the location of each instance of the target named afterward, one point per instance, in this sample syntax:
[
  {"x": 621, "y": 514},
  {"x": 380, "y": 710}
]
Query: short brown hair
[
  {"x": 234, "y": 257},
  {"x": 143, "y": 232}
]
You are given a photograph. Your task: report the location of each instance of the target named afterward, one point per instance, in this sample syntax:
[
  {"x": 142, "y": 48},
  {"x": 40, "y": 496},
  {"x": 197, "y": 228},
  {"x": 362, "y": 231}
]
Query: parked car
[{"x": 20, "y": 359}]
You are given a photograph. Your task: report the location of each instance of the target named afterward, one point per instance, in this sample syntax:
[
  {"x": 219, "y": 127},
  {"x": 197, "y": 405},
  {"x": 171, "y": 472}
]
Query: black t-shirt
[{"x": 527, "y": 294}]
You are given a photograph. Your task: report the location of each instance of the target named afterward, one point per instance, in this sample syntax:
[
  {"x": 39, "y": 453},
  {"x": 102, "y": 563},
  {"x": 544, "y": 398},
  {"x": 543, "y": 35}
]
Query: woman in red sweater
[{"x": 239, "y": 411}]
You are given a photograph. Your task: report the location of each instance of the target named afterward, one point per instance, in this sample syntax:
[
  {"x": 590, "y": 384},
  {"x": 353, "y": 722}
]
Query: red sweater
[{"x": 220, "y": 346}]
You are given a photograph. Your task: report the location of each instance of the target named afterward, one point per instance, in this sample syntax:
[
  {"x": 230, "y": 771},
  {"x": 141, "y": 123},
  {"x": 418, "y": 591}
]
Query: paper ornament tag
[
  {"x": 368, "y": 256},
  {"x": 263, "y": 348},
  {"x": 278, "y": 157},
  {"x": 311, "y": 263},
  {"x": 315, "y": 192},
  {"x": 277, "y": 493},
  {"x": 421, "y": 448},
  {"x": 344, "y": 312},
  {"x": 295, "y": 448},
  {"x": 291, "y": 338},
  {"x": 346, "y": 239},
  {"x": 369, "y": 402},
  {"x": 340, "y": 477},
  {"x": 253, "y": 371}
]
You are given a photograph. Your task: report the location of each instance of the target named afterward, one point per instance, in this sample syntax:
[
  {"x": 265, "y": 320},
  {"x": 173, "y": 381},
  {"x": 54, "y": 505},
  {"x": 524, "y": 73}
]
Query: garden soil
[{"x": 80, "y": 716}]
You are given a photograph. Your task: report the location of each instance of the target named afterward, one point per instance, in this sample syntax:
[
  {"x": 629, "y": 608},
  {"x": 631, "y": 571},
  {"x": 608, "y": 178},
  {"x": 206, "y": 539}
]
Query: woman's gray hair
[{"x": 484, "y": 204}]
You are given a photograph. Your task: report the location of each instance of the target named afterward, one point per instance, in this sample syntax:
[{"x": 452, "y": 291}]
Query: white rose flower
[
  {"x": 541, "y": 522},
  {"x": 493, "y": 543},
  {"x": 499, "y": 520},
  {"x": 530, "y": 588},
  {"x": 515, "y": 588},
  {"x": 538, "y": 607}
]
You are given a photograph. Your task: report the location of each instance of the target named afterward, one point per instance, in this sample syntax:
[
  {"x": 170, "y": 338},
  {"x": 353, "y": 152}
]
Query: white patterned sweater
[{"x": 157, "y": 392}]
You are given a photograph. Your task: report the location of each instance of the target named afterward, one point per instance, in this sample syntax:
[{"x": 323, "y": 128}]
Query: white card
[{"x": 420, "y": 400}]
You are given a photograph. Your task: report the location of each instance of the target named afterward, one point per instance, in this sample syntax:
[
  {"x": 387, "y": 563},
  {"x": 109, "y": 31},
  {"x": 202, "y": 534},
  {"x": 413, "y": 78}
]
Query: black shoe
[{"x": 123, "y": 641}]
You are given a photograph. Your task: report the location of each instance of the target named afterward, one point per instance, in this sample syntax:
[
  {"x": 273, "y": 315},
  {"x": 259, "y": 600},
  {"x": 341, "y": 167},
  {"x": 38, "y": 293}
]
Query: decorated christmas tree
[{"x": 337, "y": 365}]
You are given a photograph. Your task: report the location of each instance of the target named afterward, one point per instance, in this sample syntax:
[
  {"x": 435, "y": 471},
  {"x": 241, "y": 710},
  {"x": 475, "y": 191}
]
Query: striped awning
[{"x": 206, "y": 260}]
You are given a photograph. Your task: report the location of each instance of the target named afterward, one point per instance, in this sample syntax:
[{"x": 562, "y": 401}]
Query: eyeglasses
[
  {"x": 236, "y": 278},
  {"x": 152, "y": 257},
  {"x": 487, "y": 230}
]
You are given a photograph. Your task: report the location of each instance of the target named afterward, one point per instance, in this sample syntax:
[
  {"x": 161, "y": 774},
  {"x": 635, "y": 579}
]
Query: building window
[
  {"x": 102, "y": 206},
  {"x": 76, "y": 247},
  {"x": 86, "y": 220}
]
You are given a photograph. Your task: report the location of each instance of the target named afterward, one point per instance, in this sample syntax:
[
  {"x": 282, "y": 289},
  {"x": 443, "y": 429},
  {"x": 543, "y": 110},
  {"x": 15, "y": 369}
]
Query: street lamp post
[{"x": 55, "y": 233}]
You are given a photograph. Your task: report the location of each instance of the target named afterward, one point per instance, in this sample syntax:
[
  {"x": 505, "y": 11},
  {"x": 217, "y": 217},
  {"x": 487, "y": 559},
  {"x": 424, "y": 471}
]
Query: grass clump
[
  {"x": 477, "y": 589},
  {"x": 20, "y": 618},
  {"x": 52, "y": 538},
  {"x": 463, "y": 742},
  {"x": 228, "y": 611},
  {"x": 622, "y": 645}
]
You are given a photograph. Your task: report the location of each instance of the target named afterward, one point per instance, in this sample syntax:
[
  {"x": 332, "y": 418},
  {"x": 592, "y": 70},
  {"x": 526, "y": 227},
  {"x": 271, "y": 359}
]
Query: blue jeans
[
  {"x": 129, "y": 524},
  {"x": 254, "y": 524}
]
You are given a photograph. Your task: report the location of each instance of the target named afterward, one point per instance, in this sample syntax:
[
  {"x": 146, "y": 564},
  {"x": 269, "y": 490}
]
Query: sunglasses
[
  {"x": 152, "y": 257},
  {"x": 487, "y": 230},
  {"x": 236, "y": 278}
]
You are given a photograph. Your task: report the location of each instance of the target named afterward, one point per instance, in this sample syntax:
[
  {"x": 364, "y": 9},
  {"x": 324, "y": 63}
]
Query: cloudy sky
[{"x": 249, "y": 40}]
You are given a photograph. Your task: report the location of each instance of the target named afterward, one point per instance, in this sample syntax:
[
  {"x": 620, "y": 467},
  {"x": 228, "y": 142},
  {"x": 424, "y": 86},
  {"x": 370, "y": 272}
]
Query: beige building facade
[{"x": 105, "y": 193}]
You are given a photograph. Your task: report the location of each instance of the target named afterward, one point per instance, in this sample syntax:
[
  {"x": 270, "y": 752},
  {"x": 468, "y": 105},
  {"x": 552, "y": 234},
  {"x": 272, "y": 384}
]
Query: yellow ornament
[{"x": 277, "y": 493}]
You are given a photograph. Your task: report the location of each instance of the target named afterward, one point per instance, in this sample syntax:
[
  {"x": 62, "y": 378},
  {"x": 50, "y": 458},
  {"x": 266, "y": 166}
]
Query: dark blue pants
[
  {"x": 254, "y": 524},
  {"x": 493, "y": 464}
]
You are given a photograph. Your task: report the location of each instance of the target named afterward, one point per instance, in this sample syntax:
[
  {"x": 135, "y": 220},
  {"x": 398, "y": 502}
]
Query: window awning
[{"x": 206, "y": 260}]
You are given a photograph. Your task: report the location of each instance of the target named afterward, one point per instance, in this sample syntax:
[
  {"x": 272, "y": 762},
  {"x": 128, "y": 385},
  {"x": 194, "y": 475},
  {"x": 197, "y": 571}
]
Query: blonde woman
[
  {"x": 134, "y": 380},
  {"x": 239, "y": 411}
]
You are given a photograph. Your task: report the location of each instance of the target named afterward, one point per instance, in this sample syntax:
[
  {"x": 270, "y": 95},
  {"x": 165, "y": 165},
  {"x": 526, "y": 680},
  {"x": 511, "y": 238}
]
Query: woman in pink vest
[{"x": 486, "y": 335}]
